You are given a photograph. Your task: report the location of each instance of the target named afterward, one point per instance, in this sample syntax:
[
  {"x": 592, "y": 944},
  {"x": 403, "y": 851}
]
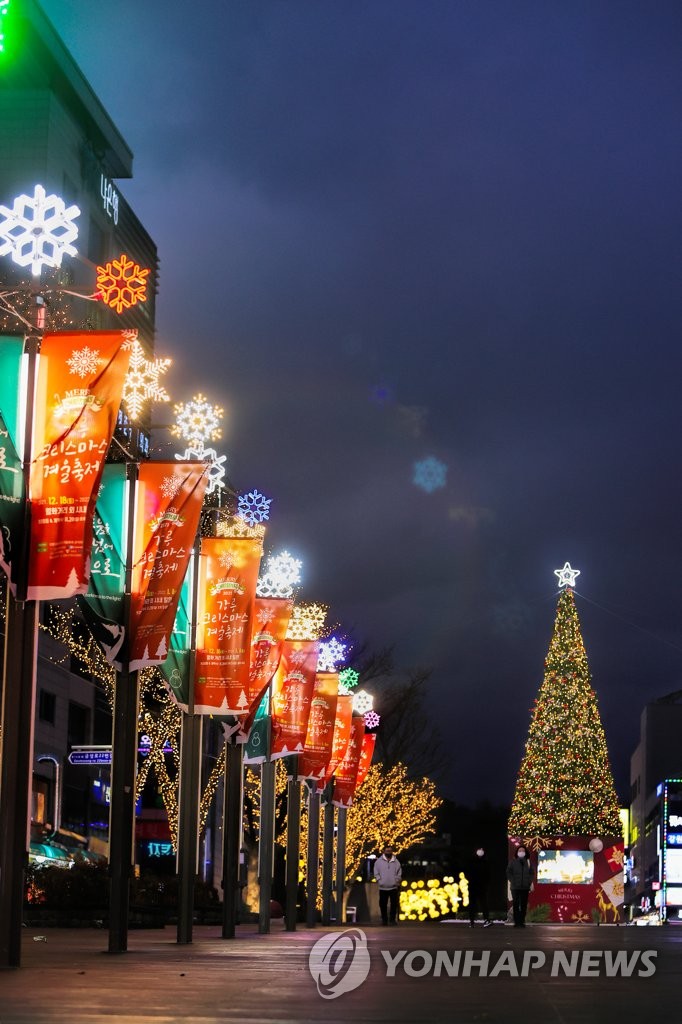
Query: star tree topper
[{"x": 567, "y": 576}]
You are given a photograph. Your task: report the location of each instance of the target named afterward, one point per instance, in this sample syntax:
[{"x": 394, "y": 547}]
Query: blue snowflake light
[
  {"x": 254, "y": 507},
  {"x": 331, "y": 652},
  {"x": 430, "y": 474}
]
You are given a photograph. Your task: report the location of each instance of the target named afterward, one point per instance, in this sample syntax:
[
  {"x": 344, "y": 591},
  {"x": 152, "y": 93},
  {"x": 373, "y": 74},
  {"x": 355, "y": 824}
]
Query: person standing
[
  {"x": 520, "y": 878},
  {"x": 478, "y": 877},
  {"x": 388, "y": 873}
]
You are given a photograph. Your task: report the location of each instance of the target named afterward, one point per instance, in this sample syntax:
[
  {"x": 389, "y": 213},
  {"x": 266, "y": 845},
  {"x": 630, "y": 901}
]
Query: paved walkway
[{"x": 71, "y": 980}]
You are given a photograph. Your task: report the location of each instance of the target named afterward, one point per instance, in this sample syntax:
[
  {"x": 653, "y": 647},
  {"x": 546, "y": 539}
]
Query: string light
[
  {"x": 142, "y": 383},
  {"x": 307, "y": 622},
  {"x": 197, "y": 422},
  {"x": 282, "y": 574}
]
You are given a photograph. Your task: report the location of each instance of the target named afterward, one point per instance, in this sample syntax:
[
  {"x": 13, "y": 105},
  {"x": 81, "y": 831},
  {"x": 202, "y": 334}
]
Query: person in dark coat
[
  {"x": 478, "y": 877},
  {"x": 520, "y": 878}
]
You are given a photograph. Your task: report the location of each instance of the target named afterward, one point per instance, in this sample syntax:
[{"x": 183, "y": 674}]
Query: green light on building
[{"x": 5, "y": 25}]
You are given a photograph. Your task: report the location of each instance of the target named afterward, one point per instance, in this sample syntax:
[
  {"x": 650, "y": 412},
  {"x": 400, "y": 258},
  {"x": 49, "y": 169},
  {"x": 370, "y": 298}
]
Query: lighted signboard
[
  {"x": 673, "y": 867},
  {"x": 565, "y": 867}
]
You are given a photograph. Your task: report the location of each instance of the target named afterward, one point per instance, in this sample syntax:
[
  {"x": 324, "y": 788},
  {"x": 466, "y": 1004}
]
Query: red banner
[
  {"x": 168, "y": 506},
  {"x": 78, "y": 393},
  {"x": 227, "y": 596},
  {"x": 341, "y": 737},
  {"x": 346, "y": 775},
  {"x": 366, "y": 755},
  {"x": 292, "y": 692},
  {"x": 270, "y": 624},
  {"x": 313, "y": 762}
]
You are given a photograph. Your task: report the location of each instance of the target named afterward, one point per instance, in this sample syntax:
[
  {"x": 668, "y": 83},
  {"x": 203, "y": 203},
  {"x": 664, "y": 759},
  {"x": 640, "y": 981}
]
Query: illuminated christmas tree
[{"x": 565, "y": 786}]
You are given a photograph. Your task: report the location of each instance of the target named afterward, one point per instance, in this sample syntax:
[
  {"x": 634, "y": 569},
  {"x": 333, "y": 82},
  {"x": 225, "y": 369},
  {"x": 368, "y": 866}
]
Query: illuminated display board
[{"x": 565, "y": 867}]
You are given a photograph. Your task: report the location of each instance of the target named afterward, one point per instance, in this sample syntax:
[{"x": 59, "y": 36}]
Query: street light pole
[
  {"x": 293, "y": 848},
  {"x": 327, "y": 860},
  {"x": 341, "y": 819},
  {"x": 312, "y": 864},
  {"x": 232, "y": 831}
]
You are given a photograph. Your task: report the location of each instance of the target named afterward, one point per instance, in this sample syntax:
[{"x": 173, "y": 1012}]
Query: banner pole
[
  {"x": 341, "y": 863},
  {"x": 293, "y": 847},
  {"x": 190, "y": 780},
  {"x": 18, "y": 703},
  {"x": 327, "y": 860},
  {"x": 266, "y": 837},
  {"x": 232, "y": 830},
  {"x": 312, "y": 864},
  {"x": 124, "y": 758}
]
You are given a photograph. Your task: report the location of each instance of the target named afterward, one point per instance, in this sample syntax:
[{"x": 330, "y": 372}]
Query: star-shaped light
[
  {"x": 282, "y": 573},
  {"x": 142, "y": 381},
  {"x": 331, "y": 652},
  {"x": 567, "y": 575},
  {"x": 362, "y": 702},
  {"x": 197, "y": 422}
]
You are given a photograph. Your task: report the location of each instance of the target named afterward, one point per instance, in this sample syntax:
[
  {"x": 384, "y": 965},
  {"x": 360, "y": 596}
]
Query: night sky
[{"x": 395, "y": 229}]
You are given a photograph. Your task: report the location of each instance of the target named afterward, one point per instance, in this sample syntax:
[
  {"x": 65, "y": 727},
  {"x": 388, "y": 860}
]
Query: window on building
[
  {"x": 47, "y": 706},
  {"x": 78, "y": 725},
  {"x": 102, "y": 721}
]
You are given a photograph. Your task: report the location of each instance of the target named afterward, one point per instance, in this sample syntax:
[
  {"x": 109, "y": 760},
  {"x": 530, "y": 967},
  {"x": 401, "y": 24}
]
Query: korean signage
[
  {"x": 292, "y": 692},
  {"x": 313, "y": 762}
]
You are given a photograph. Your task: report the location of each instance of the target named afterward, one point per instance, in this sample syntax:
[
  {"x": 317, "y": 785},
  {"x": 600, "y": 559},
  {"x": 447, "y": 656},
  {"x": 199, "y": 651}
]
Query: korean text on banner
[
  {"x": 78, "y": 393},
  {"x": 292, "y": 692},
  {"x": 366, "y": 755},
  {"x": 228, "y": 573},
  {"x": 341, "y": 737},
  {"x": 320, "y": 734},
  {"x": 346, "y": 775},
  {"x": 270, "y": 624},
  {"x": 169, "y": 499},
  {"x": 12, "y": 492}
]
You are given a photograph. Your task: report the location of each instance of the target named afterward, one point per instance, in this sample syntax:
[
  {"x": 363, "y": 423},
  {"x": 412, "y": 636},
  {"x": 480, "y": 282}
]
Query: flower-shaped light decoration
[
  {"x": 348, "y": 680},
  {"x": 216, "y": 471},
  {"x": 372, "y": 719},
  {"x": 307, "y": 622},
  {"x": 254, "y": 507},
  {"x": 142, "y": 381},
  {"x": 122, "y": 283},
  {"x": 332, "y": 651},
  {"x": 429, "y": 474},
  {"x": 362, "y": 702},
  {"x": 38, "y": 230},
  {"x": 197, "y": 422},
  {"x": 282, "y": 574}
]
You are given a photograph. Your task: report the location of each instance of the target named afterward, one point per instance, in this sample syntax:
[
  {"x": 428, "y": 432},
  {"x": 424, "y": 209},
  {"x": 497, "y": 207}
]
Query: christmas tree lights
[{"x": 565, "y": 785}]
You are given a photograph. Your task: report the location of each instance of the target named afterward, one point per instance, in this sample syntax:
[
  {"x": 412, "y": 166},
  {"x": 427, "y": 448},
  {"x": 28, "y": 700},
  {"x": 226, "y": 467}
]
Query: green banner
[
  {"x": 176, "y": 667},
  {"x": 256, "y": 749},
  {"x": 103, "y": 606},
  {"x": 12, "y": 490}
]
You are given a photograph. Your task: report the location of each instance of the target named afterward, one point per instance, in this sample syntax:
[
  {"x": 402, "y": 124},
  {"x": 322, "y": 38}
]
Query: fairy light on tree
[
  {"x": 281, "y": 576},
  {"x": 122, "y": 283},
  {"x": 362, "y": 702},
  {"x": 142, "y": 382},
  {"x": 565, "y": 785},
  {"x": 197, "y": 422},
  {"x": 307, "y": 622}
]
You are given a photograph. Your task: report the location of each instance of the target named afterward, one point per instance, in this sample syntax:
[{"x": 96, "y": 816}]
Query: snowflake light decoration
[
  {"x": 307, "y": 622},
  {"x": 429, "y": 474},
  {"x": 372, "y": 719},
  {"x": 122, "y": 283},
  {"x": 348, "y": 680},
  {"x": 142, "y": 381},
  {"x": 197, "y": 422},
  {"x": 83, "y": 362},
  {"x": 254, "y": 507},
  {"x": 38, "y": 230},
  {"x": 282, "y": 574},
  {"x": 216, "y": 469},
  {"x": 567, "y": 576},
  {"x": 331, "y": 652},
  {"x": 362, "y": 702}
]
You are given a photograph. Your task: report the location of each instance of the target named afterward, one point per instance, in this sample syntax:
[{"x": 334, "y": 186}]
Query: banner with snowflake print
[
  {"x": 78, "y": 394},
  {"x": 168, "y": 506},
  {"x": 12, "y": 496},
  {"x": 228, "y": 574},
  {"x": 292, "y": 692},
  {"x": 346, "y": 774},
  {"x": 340, "y": 739},
  {"x": 270, "y": 623},
  {"x": 320, "y": 733}
]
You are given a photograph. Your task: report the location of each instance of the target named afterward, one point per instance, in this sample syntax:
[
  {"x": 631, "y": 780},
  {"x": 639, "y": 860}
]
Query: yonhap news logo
[{"x": 340, "y": 962}]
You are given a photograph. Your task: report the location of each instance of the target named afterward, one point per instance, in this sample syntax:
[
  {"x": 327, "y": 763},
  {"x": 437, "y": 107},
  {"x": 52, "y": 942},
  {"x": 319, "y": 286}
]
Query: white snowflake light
[
  {"x": 282, "y": 574},
  {"x": 567, "y": 576},
  {"x": 142, "y": 381},
  {"x": 372, "y": 719},
  {"x": 197, "y": 422},
  {"x": 332, "y": 651},
  {"x": 429, "y": 474},
  {"x": 83, "y": 362},
  {"x": 254, "y": 507},
  {"x": 362, "y": 702},
  {"x": 216, "y": 470},
  {"x": 348, "y": 680},
  {"x": 38, "y": 230}
]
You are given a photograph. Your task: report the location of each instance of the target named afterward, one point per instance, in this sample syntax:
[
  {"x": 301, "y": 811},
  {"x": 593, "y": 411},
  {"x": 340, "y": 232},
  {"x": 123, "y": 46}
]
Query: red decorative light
[{"x": 122, "y": 283}]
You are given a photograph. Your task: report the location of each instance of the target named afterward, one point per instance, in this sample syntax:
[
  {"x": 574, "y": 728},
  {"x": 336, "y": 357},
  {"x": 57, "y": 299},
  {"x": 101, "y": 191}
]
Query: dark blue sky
[{"x": 475, "y": 207}]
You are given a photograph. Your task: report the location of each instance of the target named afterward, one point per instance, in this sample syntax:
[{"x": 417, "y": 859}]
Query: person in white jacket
[{"x": 388, "y": 873}]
